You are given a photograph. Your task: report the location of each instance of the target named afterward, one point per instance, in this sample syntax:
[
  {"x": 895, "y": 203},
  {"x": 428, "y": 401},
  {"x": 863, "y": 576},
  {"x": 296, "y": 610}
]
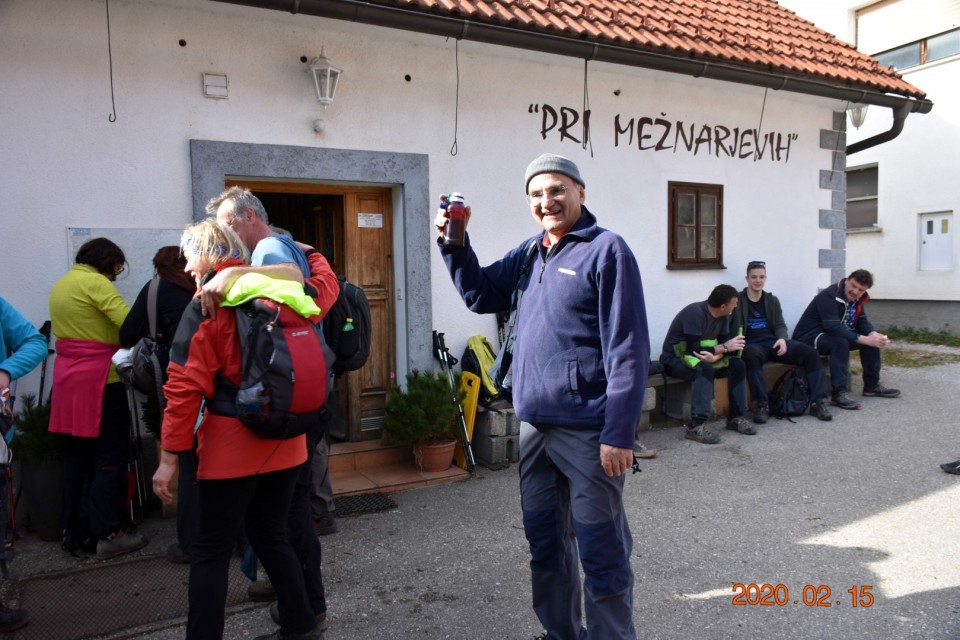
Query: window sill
[
  {"x": 858, "y": 230},
  {"x": 693, "y": 267}
]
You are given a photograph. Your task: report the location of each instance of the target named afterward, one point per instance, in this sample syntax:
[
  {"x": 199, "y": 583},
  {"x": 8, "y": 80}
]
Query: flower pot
[
  {"x": 434, "y": 457},
  {"x": 43, "y": 498}
]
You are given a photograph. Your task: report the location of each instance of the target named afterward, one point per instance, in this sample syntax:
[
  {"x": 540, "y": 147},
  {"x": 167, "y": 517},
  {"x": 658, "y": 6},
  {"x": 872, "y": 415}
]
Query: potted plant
[
  {"x": 38, "y": 453},
  {"x": 423, "y": 415}
]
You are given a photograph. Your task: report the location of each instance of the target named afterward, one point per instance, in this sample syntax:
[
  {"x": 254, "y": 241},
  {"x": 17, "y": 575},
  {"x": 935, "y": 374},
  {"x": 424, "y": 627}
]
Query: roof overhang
[{"x": 449, "y": 26}]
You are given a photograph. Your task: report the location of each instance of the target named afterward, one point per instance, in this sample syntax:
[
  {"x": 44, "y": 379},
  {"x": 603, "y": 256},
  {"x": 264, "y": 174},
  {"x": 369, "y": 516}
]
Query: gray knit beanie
[{"x": 551, "y": 163}]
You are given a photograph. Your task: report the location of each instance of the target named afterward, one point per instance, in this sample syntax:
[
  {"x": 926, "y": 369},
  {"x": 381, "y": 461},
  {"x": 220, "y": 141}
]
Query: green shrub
[
  {"x": 422, "y": 413},
  {"x": 32, "y": 440}
]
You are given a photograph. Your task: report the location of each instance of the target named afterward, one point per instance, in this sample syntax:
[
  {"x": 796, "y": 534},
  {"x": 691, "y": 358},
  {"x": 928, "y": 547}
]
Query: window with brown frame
[{"x": 696, "y": 225}]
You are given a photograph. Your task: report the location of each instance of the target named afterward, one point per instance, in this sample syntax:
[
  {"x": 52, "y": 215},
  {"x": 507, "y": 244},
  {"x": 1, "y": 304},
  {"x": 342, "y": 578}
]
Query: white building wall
[
  {"x": 65, "y": 165},
  {"x": 917, "y": 174}
]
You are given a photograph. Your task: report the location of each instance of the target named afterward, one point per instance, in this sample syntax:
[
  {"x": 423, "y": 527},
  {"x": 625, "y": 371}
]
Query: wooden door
[{"x": 353, "y": 228}]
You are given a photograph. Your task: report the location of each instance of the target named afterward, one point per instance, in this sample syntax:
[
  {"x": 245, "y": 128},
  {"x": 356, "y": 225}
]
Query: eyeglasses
[
  {"x": 555, "y": 192},
  {"x": 756, "y": 263},
  {"x": 118, "y": 270}
]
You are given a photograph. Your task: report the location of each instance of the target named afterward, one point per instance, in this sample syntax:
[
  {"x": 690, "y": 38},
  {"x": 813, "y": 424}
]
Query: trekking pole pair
[{"x": 446, "y": 363}]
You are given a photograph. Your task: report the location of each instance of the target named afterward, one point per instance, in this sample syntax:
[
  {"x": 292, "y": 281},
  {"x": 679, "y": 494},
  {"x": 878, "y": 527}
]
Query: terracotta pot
[{"x": 434, "y": 457}]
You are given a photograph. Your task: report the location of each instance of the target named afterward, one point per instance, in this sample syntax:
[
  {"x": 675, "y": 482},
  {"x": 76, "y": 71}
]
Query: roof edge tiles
[{"x": 677, "y": 36}]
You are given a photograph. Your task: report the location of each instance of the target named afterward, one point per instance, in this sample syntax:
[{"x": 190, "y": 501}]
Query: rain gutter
[{"x": 462, "y": 29}]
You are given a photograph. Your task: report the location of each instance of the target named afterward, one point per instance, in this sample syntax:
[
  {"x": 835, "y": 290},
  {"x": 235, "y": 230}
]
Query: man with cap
[{"x": 580, "y": 364}]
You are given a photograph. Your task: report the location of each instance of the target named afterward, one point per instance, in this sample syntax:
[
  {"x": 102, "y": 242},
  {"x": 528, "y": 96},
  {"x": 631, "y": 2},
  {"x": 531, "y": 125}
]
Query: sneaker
[
  {"x": 83, "y": 549},
  {"x": 119, "y": 544},
  {"x": 951, "y": 467},
  {"x": 176, "y": 555},
  {"x": 842, "y": 400},
  {"x": 325, "y": 525},
  {"x": 697, "y": 431},
  {"x": 261, "y": 591},
  {"x": 322, "y": 623},
  {"x": 762, "y": 413},
  {"x": 818, "y": 409},
  {"x": 741, "y": 425},
  {"x": 640, "y": 451},
  {"x": 881, "y": 391},
  {"x": 12, "y": 619}
]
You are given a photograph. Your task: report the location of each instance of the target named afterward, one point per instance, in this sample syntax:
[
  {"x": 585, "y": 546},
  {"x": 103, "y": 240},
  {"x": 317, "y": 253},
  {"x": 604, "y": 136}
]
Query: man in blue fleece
[{"x": 580, "y": 365}]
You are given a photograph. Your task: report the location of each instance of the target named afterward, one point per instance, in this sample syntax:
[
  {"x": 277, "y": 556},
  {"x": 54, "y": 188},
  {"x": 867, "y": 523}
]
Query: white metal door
[{"x": 936, "y": 241}]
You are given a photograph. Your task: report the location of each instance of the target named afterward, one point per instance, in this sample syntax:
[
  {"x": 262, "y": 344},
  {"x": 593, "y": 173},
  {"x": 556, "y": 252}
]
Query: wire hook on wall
[{"x": 113, "y": 116}]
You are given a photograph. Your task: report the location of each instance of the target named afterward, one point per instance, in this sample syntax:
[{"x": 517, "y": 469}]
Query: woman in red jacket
[{"x": 241, "y": 478}]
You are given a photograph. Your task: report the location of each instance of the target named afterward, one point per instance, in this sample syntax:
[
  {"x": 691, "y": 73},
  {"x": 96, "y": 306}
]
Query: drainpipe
[
  {"x": 899, "y": 117},
  {"x": 450, "y": 27}
]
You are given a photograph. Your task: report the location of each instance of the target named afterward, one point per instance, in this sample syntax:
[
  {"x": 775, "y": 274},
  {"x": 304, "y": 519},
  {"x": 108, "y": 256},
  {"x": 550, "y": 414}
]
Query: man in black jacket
[
  {"x": 836, "y": 323},
  {"x": 759, "y": 318}
]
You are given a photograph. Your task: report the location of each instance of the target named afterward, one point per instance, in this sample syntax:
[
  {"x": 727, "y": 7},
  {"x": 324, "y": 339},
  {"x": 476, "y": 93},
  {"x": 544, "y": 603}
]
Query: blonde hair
[{"x": 214, "y": 241}]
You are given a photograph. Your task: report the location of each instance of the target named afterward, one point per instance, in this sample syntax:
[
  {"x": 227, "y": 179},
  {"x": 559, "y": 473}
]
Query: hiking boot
[
  {"x": 119, "y": 544},
  {"x": 881, "y": 391},
  {"x": 641, "y": 451},
  {"x": 322, "y": 623},
  {"x": 261, "y": 591},
  {"x": 951, "y": 467},
  {"x": 741, "y": 425},
  {"x": 697, "y": 431},
  {"x": 818, "y": 409},
  {"x": 316, "y": 634},
  {"x": 762, "y": 413},
  {"x": 12, "y": 619},
  {"x": 842, "y": 400},
  {"x": 176, "y": 555},
  {"x": 325, "y": 525}
]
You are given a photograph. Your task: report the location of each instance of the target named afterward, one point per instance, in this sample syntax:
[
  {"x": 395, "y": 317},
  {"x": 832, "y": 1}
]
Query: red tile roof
[{"x": 749, "y": 34}]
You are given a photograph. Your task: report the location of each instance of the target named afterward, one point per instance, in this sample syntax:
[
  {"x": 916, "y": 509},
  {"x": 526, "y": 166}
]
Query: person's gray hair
[{"x": 242, "y": 198}]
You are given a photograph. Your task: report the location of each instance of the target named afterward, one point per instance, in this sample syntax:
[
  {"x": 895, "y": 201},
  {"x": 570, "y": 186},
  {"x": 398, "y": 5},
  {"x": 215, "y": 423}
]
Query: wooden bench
[{"x": 671, "y": 397}]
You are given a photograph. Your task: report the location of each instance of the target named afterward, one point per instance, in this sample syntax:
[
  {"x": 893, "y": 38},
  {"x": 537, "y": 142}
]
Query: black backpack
[
  {"x": 346, "y": 328},
  {"x": 790, "y": 395},
  {"x": 149, "y": 357}
]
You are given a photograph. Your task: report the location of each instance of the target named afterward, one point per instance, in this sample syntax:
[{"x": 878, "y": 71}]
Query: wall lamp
[
  {"x": 858, "y": 113},
  {"x": 325, "y": 78}
]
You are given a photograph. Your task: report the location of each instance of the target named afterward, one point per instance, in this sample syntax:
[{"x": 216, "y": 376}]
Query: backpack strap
[
  {"x": 152, "y": 306},
  {"x": 154, "y": 360},
  {"x": 511, "y": 329}
]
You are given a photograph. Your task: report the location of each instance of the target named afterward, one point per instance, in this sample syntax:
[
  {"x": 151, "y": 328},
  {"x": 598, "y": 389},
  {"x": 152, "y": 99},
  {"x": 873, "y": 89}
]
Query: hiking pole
[
  {"x": 45, "y": 332},
  {"x": 136, "y": 451},
  {"x": 446, "y": 363}
]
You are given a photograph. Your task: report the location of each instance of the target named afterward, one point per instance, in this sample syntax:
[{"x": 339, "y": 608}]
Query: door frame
[{"x": 406, "y": 174}]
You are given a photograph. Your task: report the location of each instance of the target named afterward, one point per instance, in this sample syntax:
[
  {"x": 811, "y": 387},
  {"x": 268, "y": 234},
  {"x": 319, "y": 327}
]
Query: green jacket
[{"x": 773, "y": 309}]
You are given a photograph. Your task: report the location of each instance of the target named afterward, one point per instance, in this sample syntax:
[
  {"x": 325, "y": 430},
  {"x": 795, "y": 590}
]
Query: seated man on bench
[
  {"x": 759, "y": 318},
  {"x": 697, "y": 349},
  {"x": 835, "y": 323}
]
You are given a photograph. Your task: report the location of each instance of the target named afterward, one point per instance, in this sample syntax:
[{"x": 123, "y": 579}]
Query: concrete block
[
  {"x": 649, "y": 399},
  {"x": 496, "y": 452},
  {"x": 496, "y": 423}
]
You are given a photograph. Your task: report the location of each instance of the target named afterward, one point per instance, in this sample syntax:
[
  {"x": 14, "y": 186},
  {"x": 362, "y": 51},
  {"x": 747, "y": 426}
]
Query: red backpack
[{"x": 284, "y": 377}]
